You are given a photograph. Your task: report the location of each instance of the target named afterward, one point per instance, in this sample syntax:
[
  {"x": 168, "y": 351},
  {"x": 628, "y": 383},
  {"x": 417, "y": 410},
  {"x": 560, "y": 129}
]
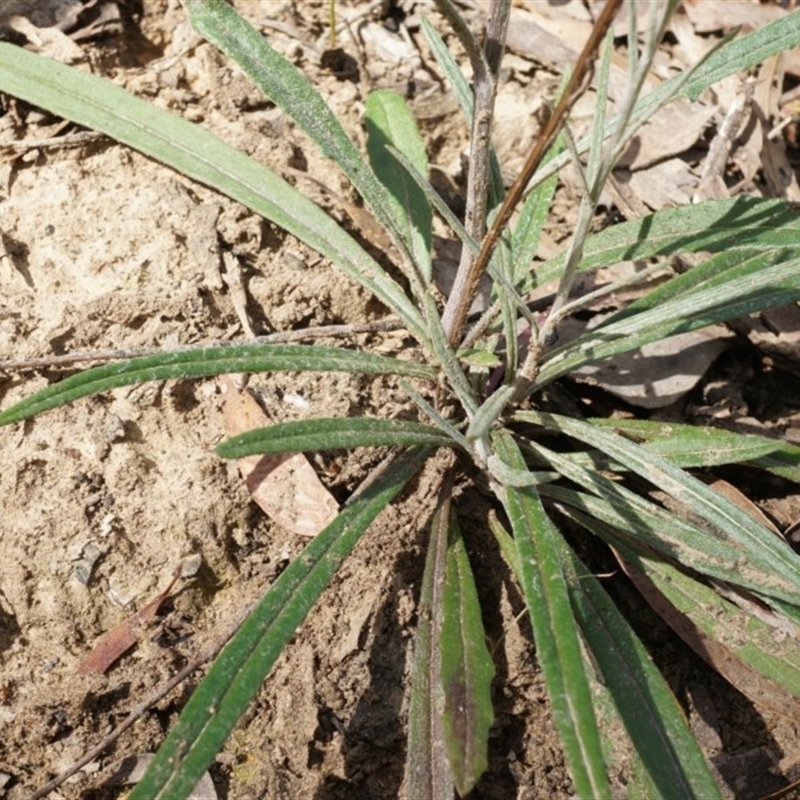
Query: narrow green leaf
[
  {"x": 554, "y": 627},
  {"x": 446, "y": 356},
  {"x": 692, "y": 446},
  {"x": 719, "y": 268},
  {"x": 655, "y": 723},
  {"x": 758, "y": 645},
  {"x": 619, "y": 531},
  {"x": 428, "y": 773},
  {"x": 742, "y": 53},
  {"x": 97, "y": 103},
  {"x": 760, "y": 287},
  {"x": 747, "y": 553},
  {"x": 331, "y": 434},
  {"x": 532, "y": 217},
  {"x": 467, "y": 669},
  {"x": 237, "y": 674},
  {"x": 449, "y": 66},
  {"x": 478, "y": 357},
  {"x": 390, "y": 123},
  {"x": 662, "y": 531},
  {"x": 508, "y": 546},
  {"x": 744, "y": 224},
  {"x": 488, "y": 414},
  {"x": 287, "y": 87},
  {"x": 642, "y": 520},
  {"x": 216, "y": 360},
  {"x": 649, "y": 711}
]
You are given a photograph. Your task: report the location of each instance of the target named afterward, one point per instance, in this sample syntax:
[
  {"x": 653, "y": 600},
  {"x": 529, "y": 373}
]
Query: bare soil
[{"x": 103, "y": 249}]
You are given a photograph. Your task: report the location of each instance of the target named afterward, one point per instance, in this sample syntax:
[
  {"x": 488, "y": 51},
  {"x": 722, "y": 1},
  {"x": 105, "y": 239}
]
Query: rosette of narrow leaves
[{"x": 752, "y": 265}]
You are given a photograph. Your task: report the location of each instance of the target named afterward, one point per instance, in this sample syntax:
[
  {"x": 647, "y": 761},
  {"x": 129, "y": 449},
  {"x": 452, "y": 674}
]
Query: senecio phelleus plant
[{"x": 591, "y": 471}]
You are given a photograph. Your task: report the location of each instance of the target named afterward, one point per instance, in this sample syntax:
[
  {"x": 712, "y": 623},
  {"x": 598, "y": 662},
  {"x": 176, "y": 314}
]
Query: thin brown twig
[
  {"x": 138, "y": 710},
  {"x": 77, "y": 139},
  {"x": 576, "y": 85},
  {"x": 43, "y": 362}
]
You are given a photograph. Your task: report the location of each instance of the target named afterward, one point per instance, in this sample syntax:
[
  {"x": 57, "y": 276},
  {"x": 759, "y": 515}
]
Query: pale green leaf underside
[
  {"x": 390, "y": 124},
  {"x": 331, "y": 434},
  {"x": 206, "y": 362}
]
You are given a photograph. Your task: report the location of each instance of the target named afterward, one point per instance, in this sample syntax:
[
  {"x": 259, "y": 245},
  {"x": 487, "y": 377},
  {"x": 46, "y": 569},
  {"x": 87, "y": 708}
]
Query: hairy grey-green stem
[{"x": 485, "y": 69}]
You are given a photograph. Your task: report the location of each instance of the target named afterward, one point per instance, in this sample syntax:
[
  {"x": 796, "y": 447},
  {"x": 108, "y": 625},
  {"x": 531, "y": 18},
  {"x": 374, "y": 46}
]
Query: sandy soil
[{"x": 104, "y": 249}]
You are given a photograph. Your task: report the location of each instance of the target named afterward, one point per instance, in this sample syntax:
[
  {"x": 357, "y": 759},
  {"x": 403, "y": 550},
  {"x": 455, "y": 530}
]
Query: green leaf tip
[
  {"x": 206, "y": 362},
  {"x": 331, "y": 434}
]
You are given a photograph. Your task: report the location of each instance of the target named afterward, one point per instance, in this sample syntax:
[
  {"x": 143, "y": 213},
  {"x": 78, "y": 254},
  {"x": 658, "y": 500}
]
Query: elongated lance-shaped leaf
[
  {"x": 446, "y": 356},
  {"x": 744, "y": 223},
  {"x": 717, "y": 270},
  {"x": 691, "y": 446},
  {"x": 237, "y": 674},
  {"x": 612, "y": 506},
  {"x": 488, "y": 414},
  {"x": 287, "y": 87},
  {"x": 746, "y": 549},
  {"x": 210, "y": 361},
  {"x": 638, "y": 532},
  {"x": 655, "y": 723},
  {"x": 554, "y": 627},
  {"x": 663, "y": 532},
  {"x": 467, "y": 668},
  {"x": 732, "y": 228},
  {"x": 532, "y": 217},
  {"x": 97, "y": 103},
  {"x": 390, "y": 123},
  {"x": 750, "y": 642},
  {"x": 736, "y": 641},
  {"x": 331, "y": 434},
  {"x": 428, "y": 773},
  {"x": 729, "y": 59},
  {"x": 761, "y": 286}
]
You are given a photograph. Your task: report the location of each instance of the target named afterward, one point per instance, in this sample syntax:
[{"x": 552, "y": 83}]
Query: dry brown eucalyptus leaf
[{"x": 285, "y": 486}]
